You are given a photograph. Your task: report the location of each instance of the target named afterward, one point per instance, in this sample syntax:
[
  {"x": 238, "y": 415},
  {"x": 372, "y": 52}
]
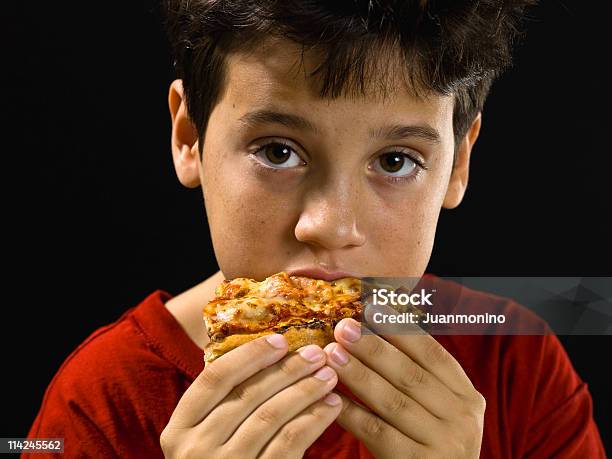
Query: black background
[{"x": 96, "y": 219}]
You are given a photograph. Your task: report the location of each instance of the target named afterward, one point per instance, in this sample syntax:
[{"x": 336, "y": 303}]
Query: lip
[{"x": 315, "y": 272}]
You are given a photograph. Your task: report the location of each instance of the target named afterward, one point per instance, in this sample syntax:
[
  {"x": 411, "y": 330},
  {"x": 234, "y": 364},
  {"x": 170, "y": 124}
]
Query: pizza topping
[{"x": 246, "y": 306}]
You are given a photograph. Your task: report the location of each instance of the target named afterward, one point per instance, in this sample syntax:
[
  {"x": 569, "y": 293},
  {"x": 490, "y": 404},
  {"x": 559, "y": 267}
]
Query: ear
[
  {"x": 184, "y": 138},
  {"x": 459, "y": 176}
]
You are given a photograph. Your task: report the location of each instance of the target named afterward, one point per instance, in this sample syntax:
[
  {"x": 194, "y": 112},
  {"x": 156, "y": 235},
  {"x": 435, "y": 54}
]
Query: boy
[{"x": 326, "y": 137}]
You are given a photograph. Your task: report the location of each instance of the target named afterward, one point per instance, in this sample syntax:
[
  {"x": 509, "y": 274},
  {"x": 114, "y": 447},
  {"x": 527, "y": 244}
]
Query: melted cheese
[{"x": 244, "y": 305}]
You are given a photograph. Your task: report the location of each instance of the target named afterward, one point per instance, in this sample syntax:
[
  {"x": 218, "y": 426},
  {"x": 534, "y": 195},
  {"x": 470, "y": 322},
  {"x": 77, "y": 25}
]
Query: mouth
[{"x": 316, "y": 272}]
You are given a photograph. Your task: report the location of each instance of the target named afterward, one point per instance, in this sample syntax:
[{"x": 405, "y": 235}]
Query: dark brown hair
[{"x": 448, "y": 47}]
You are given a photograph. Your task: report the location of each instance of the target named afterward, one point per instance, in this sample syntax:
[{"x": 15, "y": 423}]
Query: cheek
[
  {"x": 248, "y": 224},
  {"x": 402, "y": 230},
  {"x": 403, "y": 242}
]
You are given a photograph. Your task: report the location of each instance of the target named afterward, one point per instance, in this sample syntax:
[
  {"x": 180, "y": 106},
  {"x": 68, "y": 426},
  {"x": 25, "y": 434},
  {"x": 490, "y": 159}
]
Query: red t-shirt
[{"x": 115, "y": 393}]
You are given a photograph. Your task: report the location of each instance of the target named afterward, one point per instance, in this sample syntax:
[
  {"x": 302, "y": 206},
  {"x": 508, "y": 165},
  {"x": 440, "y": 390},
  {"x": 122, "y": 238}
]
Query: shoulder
[
  {"x": 520, "y": 335},
  {"x": 526, "y": 376},
  {"x": 118, "y": 367},
  {"x": 116, "y": 385},
  {"x": 117, "y": 350},
  {"x": 521, "y": 355}
]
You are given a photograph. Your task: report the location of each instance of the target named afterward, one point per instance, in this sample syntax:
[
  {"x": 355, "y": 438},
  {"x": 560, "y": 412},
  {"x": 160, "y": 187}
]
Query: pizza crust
[
  {"x": 303, "y": 309},
  {"x": 297, "y": 337}
]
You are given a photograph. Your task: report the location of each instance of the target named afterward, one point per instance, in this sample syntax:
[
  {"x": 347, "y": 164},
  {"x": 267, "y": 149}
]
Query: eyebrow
[
  {"x": 399, "y": 132},
  {"x": 393, "y": 132},
  {"x": 272, "y": 117}
]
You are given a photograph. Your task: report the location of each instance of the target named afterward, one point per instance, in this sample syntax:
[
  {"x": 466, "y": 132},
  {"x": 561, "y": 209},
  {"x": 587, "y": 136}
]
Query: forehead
[{"x": 277, "y": 72}]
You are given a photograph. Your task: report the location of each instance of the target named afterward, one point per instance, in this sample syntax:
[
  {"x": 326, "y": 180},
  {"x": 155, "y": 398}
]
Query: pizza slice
[{"x": 304, "y": 310}]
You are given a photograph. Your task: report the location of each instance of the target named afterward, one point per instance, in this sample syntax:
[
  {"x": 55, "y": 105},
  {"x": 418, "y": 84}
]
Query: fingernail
[
  {"x": 351, "y": 331},
  {"x": 332, "y": 399},
  {"x": 277, "y": 341},
  {"x": 325, "y": 374},
  {"x": 339, "y": 355},
  {"x": 312, "y": 353}
]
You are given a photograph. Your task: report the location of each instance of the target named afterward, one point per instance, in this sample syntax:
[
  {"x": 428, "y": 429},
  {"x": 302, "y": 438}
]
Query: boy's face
[{"x": 335, "y": 197}]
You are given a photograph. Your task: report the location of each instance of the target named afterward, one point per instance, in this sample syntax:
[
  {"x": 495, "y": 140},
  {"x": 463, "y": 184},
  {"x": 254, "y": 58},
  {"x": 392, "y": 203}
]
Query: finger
[
  {"x": 424, "y": 350},
  {"x": 376, "y": 434},
  {"x": 218, "y": 378},
  {"x": 247, "y": 396},
  {"x": 268, "y": 418},
  {"x": 400, "y": 370},
  {"x": 396, "y": 408},
  {"x": 301, "y": 432}
]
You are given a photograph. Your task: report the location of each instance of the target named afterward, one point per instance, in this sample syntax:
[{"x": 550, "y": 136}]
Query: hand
[
  {"x": 421, "y": 403},
  {"x": 249, "y": 403}
]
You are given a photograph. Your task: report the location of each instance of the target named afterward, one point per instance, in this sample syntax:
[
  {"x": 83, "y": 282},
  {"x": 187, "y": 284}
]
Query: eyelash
[
  {"x": 273, "y": 142},
  {"x": 420, "y": 165},
  {"x": 414, "y": 176}
]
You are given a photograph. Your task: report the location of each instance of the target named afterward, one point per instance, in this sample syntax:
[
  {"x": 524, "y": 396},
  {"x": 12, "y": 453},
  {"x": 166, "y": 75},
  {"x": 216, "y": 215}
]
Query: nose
[{"x": 330, "y": 218}]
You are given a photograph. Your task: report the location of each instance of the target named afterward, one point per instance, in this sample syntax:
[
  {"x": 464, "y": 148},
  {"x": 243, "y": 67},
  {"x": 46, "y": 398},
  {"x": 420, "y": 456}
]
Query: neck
[{"x": 187, "y": 308}]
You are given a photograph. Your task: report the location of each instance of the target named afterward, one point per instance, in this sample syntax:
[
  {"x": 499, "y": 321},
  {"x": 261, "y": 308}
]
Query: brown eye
[
  {"x": 392, "y": 162},
  {"x": 278, "y": 155}
]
